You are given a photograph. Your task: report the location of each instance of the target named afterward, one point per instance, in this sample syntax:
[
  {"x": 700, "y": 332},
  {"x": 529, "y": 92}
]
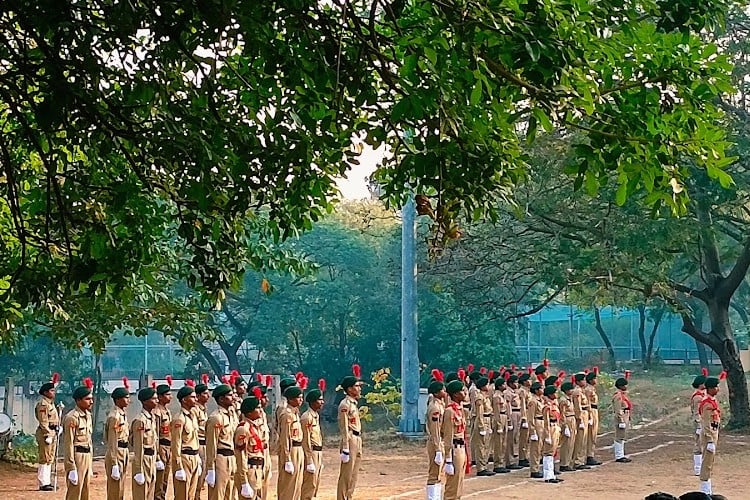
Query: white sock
[
  {"x": 40, "y": 475},
  {"x": 697, "y": 462}
]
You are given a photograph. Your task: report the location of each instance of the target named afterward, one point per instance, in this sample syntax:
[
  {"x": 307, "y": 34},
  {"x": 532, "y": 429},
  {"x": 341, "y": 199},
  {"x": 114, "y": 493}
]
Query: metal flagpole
[
  {"x": 409, "y": 424},
  {"x": 60, "y": 408}
]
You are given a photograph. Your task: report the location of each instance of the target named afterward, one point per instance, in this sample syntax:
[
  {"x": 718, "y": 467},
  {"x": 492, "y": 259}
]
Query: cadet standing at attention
[
  {"x": 482, "y": 436},
  {"x": 551, "y": 417},
  {"x": 78, "y": 427},
  {"x": 433, "y": 426},
  {"x": 164, "y": 458},
  {"x": 350, "y": 429},
  {"x": 291, "y": 456},
  {"x": 454, "y": 441},
  {"x": 581, "y": 407},
  {"x": 695, "y": 402},
  {"x": 622, "y": 407},
  {"x": 144, "y": 437},
  {"x": 514, "y": 422},
  {"x": 569, "y": 427},
  {"x": 202, "y": 396},
  {"x": 220, "y": 462},
  {"x": 184, "y": 434},
  {"x": 116, "y": 437},
  {"x": 47, "y": 432},
  {"x": 250, "y": 440},
  {"x": 524, "y": 385},
  {"x": 312, "y": 441},
  {"x": 535, "y": 413},
  {"x": 593, "y": 430},
  {"x": 500, "y": 426},
  {"x": 710, "y": 423}
]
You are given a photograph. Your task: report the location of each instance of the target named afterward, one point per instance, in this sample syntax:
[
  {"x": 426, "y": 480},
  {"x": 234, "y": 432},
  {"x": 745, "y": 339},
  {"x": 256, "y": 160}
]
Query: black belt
[
  {"x": 459, "y": 442},
  {"x": 501, "y": 413},
  {"x": 356, "y": 433},
  {"x": 202, "y": 442},
  {"x": 225, "y": 452},
  {"x": 553, "y": 421},
  {"x": 486, "y": 415},
  {"x": 584, "y": 408},
  {"x": 189, "y": 451},
  {"x": 53, "y": 427},
  {"x": 165, "y": 442},
  {"x": 122, "y": 444},
  {"x": 515, "y": 409},
  {"x": 315, "y": 447},
  {"x": 539, "y": 418},
  {"x": 594, "y": 407},
  {"x": 149, "y": 452},
  {"x": 296, "y": 443},
  {"x": 255, "y": 462},
  {"x": 568, "y": 416},
  {"x": 82, "y": 449}
]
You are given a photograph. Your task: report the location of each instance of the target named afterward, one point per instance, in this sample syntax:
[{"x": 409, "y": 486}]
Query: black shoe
[
  {"x": 473, "y": 463},
  {"x": 483, "y": 473},
  {"x": 500, "y": 470},
  {"x": 536, "y": 475},
  {"x": 566, "y": 468},
  {"x": 523, "y": 463},
  {"x": 47, "y": 487},
  {"x": 558, "y": 472},
  {"x": 582, "y": 467},
  {"x": 553, "y": 481},
  {"x": 592, "y": 461},
  {"x": 623, "y": 460},
  {"x": 514, "y": 467}
]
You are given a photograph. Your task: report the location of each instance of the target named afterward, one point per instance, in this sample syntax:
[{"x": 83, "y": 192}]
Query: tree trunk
[
  {"x": 700, "y": 317},
  {"x": 702, "y": 353},
  {"x": 231, "y": 354},
  {"x": 652, "y": 336},
  {"x": 210, "y": 359},
  {"x": 642, "y": 337},
  {"x": 604, "y": 336}
]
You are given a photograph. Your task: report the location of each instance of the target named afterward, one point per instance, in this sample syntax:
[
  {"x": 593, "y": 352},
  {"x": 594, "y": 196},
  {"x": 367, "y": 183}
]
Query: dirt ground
[{"x": 661, "y": 452}]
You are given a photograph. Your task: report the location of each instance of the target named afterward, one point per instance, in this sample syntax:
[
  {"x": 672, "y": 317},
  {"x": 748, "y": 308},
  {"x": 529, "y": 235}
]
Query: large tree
[{"x": 215, "y": 126}]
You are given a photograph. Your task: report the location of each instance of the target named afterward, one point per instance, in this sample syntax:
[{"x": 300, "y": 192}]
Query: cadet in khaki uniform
[
  {"x": 524, "y": 384},
  {"x": 77, "y": 429},
  {"x": 551, "y": 429},
  {"x": 482, "y": 427},
  {"x": 46, "y": 432},
  {"x": 144, "y": 437},
  {"x": 470, "y": 405},
  {"x": 454, "y": 441},
  {"x": 250, "y": 443},
  {"x": 284, "y": 384},
  {"x": 593, "y": 430},
  {"x": 260, "y": 391},
  {"x": 116, "y": 437},
  {"x": 535, "y": 413},
  {"x": 499, "y": 426},
  {"x": 184, "y": 435},
  {"x": 710, "y": 423},
  {"x": 569, "y": 427},
  {"x": 434, "y": 427},
  {"x": 312, "y": 441},
  {"x": 202, "y": 395},
  {"x": 621, "y": 406},
  {"x": 164, "y": 457},
  {"x": 350, "y": 430},
  {"x": 581, "y": 409},
  {"x": 514, "y": 422},
  {"x": 291, "y": 455},
  {"x": 695, "y": 401},
  {"x": 220, "y": 462}
]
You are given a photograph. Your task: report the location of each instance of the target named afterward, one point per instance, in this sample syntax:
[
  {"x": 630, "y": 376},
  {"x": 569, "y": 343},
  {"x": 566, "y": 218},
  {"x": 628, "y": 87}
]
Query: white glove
[
  {"x": 289, "y": 468},
  {"x": 73, "y": 477},
  {"x": 159, "y": 465},
  {"x": 140, "y": 478},
  {"x": 270, "y": 474},
  {"x": 533, "y": 437},
  {"x": 449, "y": 469},
  {"x": 211, "y": 478},
  {"x": 180, "y": 475},
  {"x": 510, "y": 427},
  {"x": 310, "y": 468},
  {"x": 439, "y": 457},
  {"x": 345, "y": 457},
  {"x": 489, "y": 431},
  {"x": 483, "y": 433},
  {"x": 548, "y": 440},
  {"x": 698, "y": 431},
  {"x": 591, "y": 421},
  {"x": 115, "y": 472},
  {"x": 621, "y": 425},
  {"x": 566, "y": 432},
  {"x": 246, "y": 491},
  {"x": 48, "y": 440},
  {"x": 711, "y": 447},
  {"x": 59, "y": 430},
  {"x": 524, "y": 425}
]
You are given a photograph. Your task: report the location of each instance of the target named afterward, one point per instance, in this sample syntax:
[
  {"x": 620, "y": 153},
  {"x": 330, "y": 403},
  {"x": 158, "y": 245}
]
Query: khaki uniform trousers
[
  {"x": 185, "y": 490},
  {"x": 567, "y": 444},
  {"x": 579, "y": 453},
  {"x": 266, "y": 475},
  {"x": 256, "y": 480},
  {"x": 311, "y": 481},
  {"x": 348, "y": 472},
  {"x": 146, "y": 490},
  {"x": 454, "y": 485},
  {"x": 225, "y": 469},
  {"x": 116, "y": 489},
  {"x": 163, "y": 476},
  {"x": 697, "y": 442},
  {"x": 550, "y": 448},
  {"x": 708, "y": 461},
  {"x": 45, "y": 452},
  {"x": 202, "y": 478},
  {"x": 535, "y": 447},
  {"x": 81, "y": 490},
  {"x": 511, "y": 440},
  {"x": 499, "y": 438},
  {"x": 482, "y": 445},
  {"x": 523, "y": 441},
  {"x": 593, "y": 432},
  {"x": 289, "y": 486}
]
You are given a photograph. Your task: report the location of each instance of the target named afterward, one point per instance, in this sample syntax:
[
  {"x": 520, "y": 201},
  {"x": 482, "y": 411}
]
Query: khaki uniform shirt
[
  {"x": 164, "y": 420},
  {"x": 454, "y": 426},
  {"x": 499, "y": 411},
  {"x": 483, "y": 412},
  {"x": 434, "y": 423},
  {"x": 565, "y": 405},
  {"x": 592, "y": 396},
  {"x": 78, "y": 427},
  {"x": 513, "y": 400},
  {"x": 290, "y": 431},
  {"x": 311, "y": 434},
  {"x": 184, "y": 434},
  {"x": 201, "y": 415},
  {"x": 581, "y": 405},
  {"x": 710, "y": 414},
  {"x": 621, "y": 406},
  {"x": 695, "y": 402},
  {"x": 250, "y": 443},
  {"x": 524, "y": 396},
  {"x": 116, "y": 431},
  {"x": 47, "y": 416},
  {"x": 219, "y": 434},
  {"x": 535, "y": 413},
  {"x": 348, "y": 421},
  {"x": 143, "y": 436}
]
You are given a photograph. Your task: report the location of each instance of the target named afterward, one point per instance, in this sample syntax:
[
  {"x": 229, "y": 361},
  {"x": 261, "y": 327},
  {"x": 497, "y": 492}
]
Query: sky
[{"x": 354, "y": 186}]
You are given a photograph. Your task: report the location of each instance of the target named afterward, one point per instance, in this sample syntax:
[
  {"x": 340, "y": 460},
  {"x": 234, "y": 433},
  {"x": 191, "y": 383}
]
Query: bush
[{"x": 22, "y": 450}]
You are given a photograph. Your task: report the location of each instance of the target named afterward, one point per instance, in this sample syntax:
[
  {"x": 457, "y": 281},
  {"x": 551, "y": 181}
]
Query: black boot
[
  {"x": 553, "y": 481},
  {"x": 582, "y": 467},
  {"x": 47, "y": 487},
  {"x": 536, "y": 475},
  {"x": 592, "y": 461},
  {"x": 500, "y": 470},
  {"x": 523, "y": 463},
  {"x": 483, "y": 473},
  {"x": 623, "y": 460}
]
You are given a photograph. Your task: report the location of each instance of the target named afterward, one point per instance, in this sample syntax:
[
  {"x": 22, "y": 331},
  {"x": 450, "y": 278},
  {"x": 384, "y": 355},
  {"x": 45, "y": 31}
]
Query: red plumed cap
[
  {"x": 561, "y": 374},
  {"x": 470, "y": 367},
  {"x": 483, "y": 370},
  {"x": 269, "y": 380},
  {"x": 322, "y": 385},
  {"x": 55, "y": 378},
  {"x": 530, "y": 370},
  {"x": 257, "y": 393},
  {"x": 540, "y": 377},
  {"x": 519, "y": 374},
  {"x": 88, "y": 382},
  {"x": 506, "y": 375},
  {"x": 461, "y": 374},
  {"x": 169, "y": 380},
  {"x": 298, "y": 376},
  {"x": 259, "y": 377},
  {"x": 232, "y": 377},
  {"x": 545, "y": 362},
  {"x": 490, "y": 374},
  {"x": 225, "y": 379},
  {"x": 596, "y": 370},
  {"x": 356, "y": 370},
  {"x": 573, "y": 378},
  {"x": 704, "y": 371},
  {"x": 235, "y": 373},
  {"x": 437, "y": 375},
  {"x": 502, "y": 369},
  {"x": 190, "y": 382},
  {"x": 303, "y": 383},
  {"x": 204, "y": 378},
  {"x": 723, "y": 375},
  {"x": 125, "y": 383},
  {"x": 627, "y": 374}
]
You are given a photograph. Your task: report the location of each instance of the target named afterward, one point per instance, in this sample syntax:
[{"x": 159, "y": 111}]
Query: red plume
[
  {"x": 356, "y": 370},
  {"x": 596, "y": 370},
  {"x": 257, "y": 393},
  {"x": 55, "y": 378},
  {"x": 470, "y": 367},
  {"x": 298, "y": 376},
  {"x": 190, "y": 382},
  {"x": 125, "y": 383},
  {"x": 204, "y": 378},
  {"x": 723, "y": 375},
  {"x": 627, "y": 374},
  {"x": 540, "y": 377},
  {"x": 586, "y": 371},
  {"x": 225, "y": 379},
  {"x": 461, "y": 374},
  {"x": 491, "y": 374},
  {"x": 558, "y": 382},
  {"x": 506, "y": 375},
  {"x": 519, "y": 374},
  {"x": 513, "y": 367},
  {"x": 436, "y": 374},
  {"x": 546, "y": 363},
  {"x": 232, "y": 377},
  {"x": 236, "y": 373},
  {"x": 573, "y": 379},
  {"x": 502, "y": 369},
  {"x": 153, "y": 384},
  {"x": 530, "y": 370},
  {"x": 269, "y": 380},
  {"x": 259, "y": 377},
  {"x": 303, "y": 383},
  {"x": 88, "y": 382},
  {"x": 561, "y": 374},
  {"x": 483, "y": 370},
  {"x": 169, "y": 380},
  {"x": 704, "y": 371},
  {"x": 322, "y": 385}
]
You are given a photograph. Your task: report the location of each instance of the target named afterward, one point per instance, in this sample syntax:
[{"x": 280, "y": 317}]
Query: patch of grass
[{"x": 22, "y": 450}]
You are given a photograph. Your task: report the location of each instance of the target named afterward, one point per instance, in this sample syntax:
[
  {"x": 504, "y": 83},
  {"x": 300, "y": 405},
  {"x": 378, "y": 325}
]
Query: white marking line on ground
[
  {"x": 642, "y": 426},
  {"x": 636, "y": 438},
  {"x": 513, "y": 485}
]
